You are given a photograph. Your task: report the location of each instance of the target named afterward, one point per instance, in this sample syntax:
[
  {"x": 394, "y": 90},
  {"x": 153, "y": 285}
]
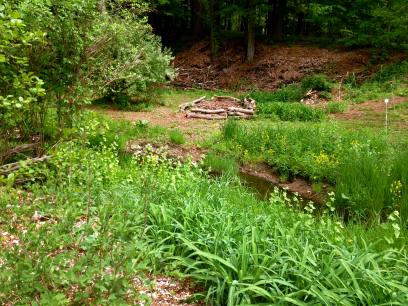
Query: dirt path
[{"x": 195, "y": 130}]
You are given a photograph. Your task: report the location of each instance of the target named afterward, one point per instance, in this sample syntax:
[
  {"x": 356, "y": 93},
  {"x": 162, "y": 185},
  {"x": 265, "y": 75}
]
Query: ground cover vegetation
[
  {"x": 86, "y": 220},
  {"x": 100, "y": 220}
]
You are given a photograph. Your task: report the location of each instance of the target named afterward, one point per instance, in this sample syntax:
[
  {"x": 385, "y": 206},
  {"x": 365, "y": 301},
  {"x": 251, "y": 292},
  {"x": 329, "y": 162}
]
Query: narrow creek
[{"x": 263, "y": 188}]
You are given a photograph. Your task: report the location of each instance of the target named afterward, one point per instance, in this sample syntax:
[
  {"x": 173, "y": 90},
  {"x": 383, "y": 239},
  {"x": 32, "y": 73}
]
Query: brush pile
[{"x": 219, "y": 107}]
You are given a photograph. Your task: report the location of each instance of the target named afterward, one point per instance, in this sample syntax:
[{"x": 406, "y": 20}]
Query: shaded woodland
[{"x": 378, "y": 24}]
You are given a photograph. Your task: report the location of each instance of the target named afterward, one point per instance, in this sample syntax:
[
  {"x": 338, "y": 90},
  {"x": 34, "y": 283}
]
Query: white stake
[{"x": 386, "y": 115}]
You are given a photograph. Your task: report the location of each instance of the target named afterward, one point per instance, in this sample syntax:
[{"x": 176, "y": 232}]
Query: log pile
[{"x": 219, "y": 107}]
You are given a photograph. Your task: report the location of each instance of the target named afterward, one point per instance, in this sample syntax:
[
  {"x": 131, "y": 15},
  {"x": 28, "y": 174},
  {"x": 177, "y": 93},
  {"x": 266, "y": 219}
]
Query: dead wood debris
[{"x": 219, "y": 108}]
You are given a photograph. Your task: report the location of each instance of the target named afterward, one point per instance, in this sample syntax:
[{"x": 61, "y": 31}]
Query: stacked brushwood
[{"x": 219, "y": 107}]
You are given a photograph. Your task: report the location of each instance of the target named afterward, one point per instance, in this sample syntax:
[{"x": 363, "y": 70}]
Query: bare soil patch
[
  {"x": 167, "y": 291},
  {"x": 359, "y": 111},
  {"x": 273, "y": 66}
]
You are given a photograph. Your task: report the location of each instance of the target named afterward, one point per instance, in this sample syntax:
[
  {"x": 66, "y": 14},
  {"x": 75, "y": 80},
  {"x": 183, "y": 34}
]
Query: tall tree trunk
[
  {"x": 251, "y": 11},
  {"x": 197, "y": 25},
  {"x": 277, "y": 10},
  {"x": 214, "y": 26}
]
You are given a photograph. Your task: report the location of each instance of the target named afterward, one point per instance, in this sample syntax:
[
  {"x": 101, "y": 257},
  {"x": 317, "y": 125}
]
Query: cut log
[
  {"x": 206, "y": 116},
  {"x": 13, "y": 167},
  {"x": 184, "y": 106},
  {"x": 249, "y": 103},
  {"x": 225, "y": 98},
  {"x": 241, "y": 116},
  {"x": 241, "y": 110},
  {"x": 208, "y": 111}
]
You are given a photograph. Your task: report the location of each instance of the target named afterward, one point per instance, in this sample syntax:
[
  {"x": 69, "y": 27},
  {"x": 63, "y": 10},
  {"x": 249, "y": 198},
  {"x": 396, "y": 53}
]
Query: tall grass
[
  {"x": 369, "y": 176},
  {"x": 292, "y": 111},
  {"x": 288, "y": 93}
]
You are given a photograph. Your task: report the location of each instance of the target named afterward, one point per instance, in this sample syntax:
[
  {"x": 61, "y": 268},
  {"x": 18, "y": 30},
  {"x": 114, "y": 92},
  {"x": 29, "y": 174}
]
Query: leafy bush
[
  {"x": 292, "y": 111},
  {"x": 21, "y": 91},
  {"x": 110, "y": 52},
  {"x": 316, "y": 82}
]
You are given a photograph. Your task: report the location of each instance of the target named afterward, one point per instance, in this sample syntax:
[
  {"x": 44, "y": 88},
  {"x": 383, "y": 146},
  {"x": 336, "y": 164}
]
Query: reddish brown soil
[{"x": 272, "y": 66}]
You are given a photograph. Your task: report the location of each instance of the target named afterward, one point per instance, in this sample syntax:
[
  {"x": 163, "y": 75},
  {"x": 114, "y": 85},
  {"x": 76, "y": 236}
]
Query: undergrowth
[
  {"x": 99, "y": 224},
  {"x": 390, "y": 81}
]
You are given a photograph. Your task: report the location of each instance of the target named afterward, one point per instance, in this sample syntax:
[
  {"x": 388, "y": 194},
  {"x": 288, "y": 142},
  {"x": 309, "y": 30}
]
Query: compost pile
[{"x": 219, "y": 107}]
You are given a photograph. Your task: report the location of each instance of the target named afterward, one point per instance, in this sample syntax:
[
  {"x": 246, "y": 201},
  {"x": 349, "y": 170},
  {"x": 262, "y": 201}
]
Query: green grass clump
[
  {"x": 336, "y": 107},
  {"x": 292, "y": 111},
  {"x": 316, "y": 82},
  {"x": 220, "y": 164},
  {"x": 103, "y": 224},
  {"x": 177, "y": 137},
  {"x": 288, "y": 93}
]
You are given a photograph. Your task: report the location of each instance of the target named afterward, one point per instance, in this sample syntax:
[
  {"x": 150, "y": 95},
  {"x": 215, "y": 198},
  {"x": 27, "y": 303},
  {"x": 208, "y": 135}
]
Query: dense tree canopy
[{"x": 362, "y": 23}]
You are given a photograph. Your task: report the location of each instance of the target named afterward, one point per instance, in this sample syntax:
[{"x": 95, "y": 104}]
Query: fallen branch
[
  {"x": 184, "y": 106},
  {"x": 249, "y": 103},
  {"x": 208, "y": 111},
  {"x": 208, "y": 116},
  {"x": 225, "y": 98},
  {"x": 19, "y": 149},
  {"x": 240, "y": 115},
  {"x": 13, "y": 167}
]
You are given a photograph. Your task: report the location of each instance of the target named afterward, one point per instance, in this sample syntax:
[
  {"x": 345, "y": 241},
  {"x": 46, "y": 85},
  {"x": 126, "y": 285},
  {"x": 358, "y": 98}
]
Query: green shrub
[
  {"x": 177, "y": 137},
  {"x": 316, "y": 82},
  {"x": 292, "y": 111}
]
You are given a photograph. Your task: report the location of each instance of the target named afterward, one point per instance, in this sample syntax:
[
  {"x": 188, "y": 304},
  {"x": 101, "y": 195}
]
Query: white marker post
[{"x": 386, "y": 115}]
